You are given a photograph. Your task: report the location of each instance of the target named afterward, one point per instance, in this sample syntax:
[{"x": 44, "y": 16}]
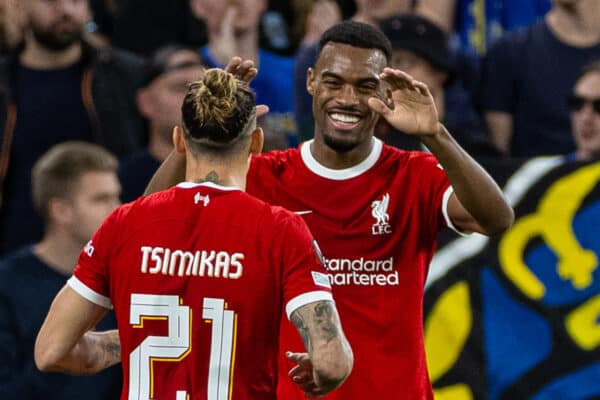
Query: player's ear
[
  {"x": 257, "y": 141},
  {"x": 310, "y": 81},
  {"x": 178, "y": 140}
]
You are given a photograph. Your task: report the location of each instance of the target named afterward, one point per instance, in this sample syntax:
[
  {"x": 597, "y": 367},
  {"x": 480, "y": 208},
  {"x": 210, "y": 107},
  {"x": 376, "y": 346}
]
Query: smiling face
[{"x": 344, "y": 79}]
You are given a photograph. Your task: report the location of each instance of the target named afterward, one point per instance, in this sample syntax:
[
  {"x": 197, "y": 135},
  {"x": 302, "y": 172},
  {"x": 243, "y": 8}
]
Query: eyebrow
[{"x": 370, "y": 79}]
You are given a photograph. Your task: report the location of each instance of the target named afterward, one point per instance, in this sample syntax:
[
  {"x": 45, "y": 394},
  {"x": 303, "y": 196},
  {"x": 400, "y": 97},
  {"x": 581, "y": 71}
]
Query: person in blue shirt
[{"x": 233, "y": 30}]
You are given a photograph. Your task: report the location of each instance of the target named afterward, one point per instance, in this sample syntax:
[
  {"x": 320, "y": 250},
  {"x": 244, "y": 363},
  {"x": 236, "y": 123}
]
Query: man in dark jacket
[{"x": 57, "y": 88}]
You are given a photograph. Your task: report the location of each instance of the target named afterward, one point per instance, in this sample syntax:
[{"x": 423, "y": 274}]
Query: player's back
[{"x": 197, "y": 277}]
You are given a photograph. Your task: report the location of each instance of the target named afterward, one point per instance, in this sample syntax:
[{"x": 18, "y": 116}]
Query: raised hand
[
  {"x": 412, "y": 109},
  {"x": 246, "y": 71}
]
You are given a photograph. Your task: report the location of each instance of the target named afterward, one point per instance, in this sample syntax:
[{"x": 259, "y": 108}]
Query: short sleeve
[
  {"x": 435, "y": 191},
  {"x": 90, "y": 276},
  {"x": 498, "y": 85},
  {"x": 304, "y": 276}
]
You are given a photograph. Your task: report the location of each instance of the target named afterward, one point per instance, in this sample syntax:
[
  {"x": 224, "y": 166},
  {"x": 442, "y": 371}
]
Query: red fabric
[
  {"x": 378, "y": 270},
  {"x": 266, "y": 258}
]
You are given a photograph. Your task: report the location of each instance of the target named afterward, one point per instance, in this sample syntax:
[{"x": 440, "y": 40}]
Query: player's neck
[
  {"x": 59, "y": 252},
  {"x": 228, "y": 174},
  {"x": 330, "y": 158}
]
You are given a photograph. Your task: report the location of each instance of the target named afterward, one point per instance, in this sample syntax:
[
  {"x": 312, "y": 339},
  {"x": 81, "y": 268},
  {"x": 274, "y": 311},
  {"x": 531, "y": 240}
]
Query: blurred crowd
[{"x": 510, "y": 78}]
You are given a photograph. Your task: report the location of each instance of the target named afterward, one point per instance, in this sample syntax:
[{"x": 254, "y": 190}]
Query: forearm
[
  {"x": 328, "y": 349},
  {"x": 332, "y": 363},
  {"x": 94, "y": 352},
  {"x": 474, "y": 187},
  {"x": 171, "y": 172}
]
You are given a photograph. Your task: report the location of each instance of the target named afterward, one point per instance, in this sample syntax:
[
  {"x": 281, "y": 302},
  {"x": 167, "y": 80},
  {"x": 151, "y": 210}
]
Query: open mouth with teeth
[{"x": 344, "y": 121}]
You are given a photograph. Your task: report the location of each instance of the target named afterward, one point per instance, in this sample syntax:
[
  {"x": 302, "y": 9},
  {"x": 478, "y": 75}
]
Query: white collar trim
[
  {"x": 191, "y": 185},
  {"x": 340, "y": 174}
]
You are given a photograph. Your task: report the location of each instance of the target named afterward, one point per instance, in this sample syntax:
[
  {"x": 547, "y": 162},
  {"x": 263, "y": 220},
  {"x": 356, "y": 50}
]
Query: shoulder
[
  {"x": 412, "y": 165},
  {"x": 20, "y": 262},
  {"x": 275, "y": 160},
  {"x": 120, "y": 60},
  {"x": 274, "y": 60},
  {"x": 520, "y": 39},
  {"x": 274, "y": 216}
]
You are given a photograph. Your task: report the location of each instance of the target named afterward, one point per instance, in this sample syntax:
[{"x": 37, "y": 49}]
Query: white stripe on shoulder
[
  {"x": 445, "y": 200},
  {"x": 88, "y": 293},
  {"x": 304, "y": 299},
  {"x": 340, "y": 174}
]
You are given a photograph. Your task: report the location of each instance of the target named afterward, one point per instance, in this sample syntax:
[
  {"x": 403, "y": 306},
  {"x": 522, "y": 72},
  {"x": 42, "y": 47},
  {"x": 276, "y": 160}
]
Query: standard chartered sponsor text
[{"x": 361, "y": 272}]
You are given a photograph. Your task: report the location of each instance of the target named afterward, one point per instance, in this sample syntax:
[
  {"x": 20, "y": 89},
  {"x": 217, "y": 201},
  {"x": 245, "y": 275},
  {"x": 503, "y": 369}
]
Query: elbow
[
  {"x": 502, "y": 222},
  {"x": 45, "y": 358}
]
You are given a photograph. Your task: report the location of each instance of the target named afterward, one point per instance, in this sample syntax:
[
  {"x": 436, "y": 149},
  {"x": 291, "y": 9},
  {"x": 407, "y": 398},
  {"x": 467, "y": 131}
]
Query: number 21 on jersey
[{"x": 178, "y": 344}]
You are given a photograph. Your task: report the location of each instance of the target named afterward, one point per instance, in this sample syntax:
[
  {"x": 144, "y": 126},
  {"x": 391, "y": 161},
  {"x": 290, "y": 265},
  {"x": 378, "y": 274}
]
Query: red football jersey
[
  {"x": 377, "y": 225},
  {"x": 199, "y": 276}
]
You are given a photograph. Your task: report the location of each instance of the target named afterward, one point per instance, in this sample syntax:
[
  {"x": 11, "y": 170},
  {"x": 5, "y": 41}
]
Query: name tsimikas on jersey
[
  {"x": 203, "y": 263},
  {"x": 344, "y": 271}
]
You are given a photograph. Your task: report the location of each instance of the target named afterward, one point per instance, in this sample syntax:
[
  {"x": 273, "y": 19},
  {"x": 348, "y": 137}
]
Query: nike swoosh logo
[{"x": 303, "y": 212}]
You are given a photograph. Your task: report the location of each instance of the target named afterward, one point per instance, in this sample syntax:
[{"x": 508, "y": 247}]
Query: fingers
[
  {"x": 398, "y": 79},
  {"x": 242, "y": 69},
  {"x": 379, "y": 106},
  {"x": 228, "y": 21},
  {"x": 261, "y": 110},
  {"x": 300, "y": 358}
]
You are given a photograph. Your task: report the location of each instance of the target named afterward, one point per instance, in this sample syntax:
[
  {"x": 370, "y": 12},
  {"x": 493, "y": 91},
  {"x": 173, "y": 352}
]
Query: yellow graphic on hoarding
[
  {"x": 553, "y": 223},
  {"x": 446, "y": 330},
  {"x": 582, "y": 324},
  {"x": 454, "y": 392}
]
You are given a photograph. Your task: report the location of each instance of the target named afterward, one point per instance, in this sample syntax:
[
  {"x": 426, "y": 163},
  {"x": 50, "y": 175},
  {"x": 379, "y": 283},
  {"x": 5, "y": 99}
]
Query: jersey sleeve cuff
[
  {"x": 88, "y": 293},
  {"x": 449, "y": 224},
  {"x": 306, "y": 298}
]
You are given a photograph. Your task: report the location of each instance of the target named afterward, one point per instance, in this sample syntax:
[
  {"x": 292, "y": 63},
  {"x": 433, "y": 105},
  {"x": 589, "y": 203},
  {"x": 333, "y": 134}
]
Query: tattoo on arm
[
  {"x": 325, "y": 320},
  {"x": 302, "y": 329},
  {"x": 212, "y": 176},
  {"x": 316, "y": 321},
  {"x": 110, "y": 347}
]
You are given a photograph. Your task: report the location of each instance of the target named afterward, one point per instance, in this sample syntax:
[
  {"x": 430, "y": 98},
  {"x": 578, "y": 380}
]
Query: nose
[{"x": 347, "y": 95}]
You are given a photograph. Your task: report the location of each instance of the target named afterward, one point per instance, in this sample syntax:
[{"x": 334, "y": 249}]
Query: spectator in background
[
  {"x": 11, "y": 25},
  {"x": 58, "y": 88},
  {"x": 366, "y": 11},
  {"x": 144, "y": 26},
  {"x": 584, "y": 104},
  {"x": 169, "y": 72},
  {"x": 477, "y": 24},
  {"x": 233, "y": 30},
  {"x": 420, "y": 48},
  {"x": 75, "y": 186},
  {"x": 528, "y": 74}
]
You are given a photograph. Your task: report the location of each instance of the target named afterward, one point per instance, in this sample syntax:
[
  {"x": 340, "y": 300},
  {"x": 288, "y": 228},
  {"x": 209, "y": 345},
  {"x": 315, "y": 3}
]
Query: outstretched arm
[
  {"x": 65, "y": 342},
  {"x": 477, "y": 204},
  {"x": 329, "y": 359}
]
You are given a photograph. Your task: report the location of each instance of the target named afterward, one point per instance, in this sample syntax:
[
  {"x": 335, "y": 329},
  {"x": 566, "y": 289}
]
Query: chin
[{"x": 339, "y": 145}]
